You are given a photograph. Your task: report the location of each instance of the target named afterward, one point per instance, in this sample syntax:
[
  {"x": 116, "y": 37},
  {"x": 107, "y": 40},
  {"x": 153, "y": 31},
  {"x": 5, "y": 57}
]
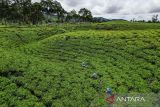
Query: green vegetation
[
  {"x": 44, "y": 11},
  {"x": 53, "y": 66}
]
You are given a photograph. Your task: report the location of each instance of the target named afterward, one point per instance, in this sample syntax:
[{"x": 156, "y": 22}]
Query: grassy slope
[{"x": 52, "y": 66}]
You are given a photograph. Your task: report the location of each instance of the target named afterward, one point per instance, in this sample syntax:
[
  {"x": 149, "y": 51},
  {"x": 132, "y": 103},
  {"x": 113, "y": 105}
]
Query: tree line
[
  {"x": 25, "y": 11},
  {"x": 153, "y": 20}
]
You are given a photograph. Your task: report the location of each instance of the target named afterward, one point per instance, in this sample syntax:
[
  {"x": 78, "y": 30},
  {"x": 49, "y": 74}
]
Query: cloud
[
  {"x": 113, "y": 9},
  {"x": 73, "y": 3},
  {"x": 155, "y": 10},
  {"x": 119, "y": 8}
]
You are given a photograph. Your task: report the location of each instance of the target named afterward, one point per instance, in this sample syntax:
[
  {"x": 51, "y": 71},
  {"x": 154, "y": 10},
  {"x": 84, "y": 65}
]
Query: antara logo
[
  {"x": 130, "y": 99},
  {"x": 111, "y": 98}
]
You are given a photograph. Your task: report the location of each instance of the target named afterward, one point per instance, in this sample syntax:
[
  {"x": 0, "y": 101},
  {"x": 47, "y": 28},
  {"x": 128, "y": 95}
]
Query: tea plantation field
[{"x": 71, "y": 65}]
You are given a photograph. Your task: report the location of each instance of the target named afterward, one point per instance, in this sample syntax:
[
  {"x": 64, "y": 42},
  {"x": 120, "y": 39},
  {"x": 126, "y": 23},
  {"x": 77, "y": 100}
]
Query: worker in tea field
[{"x": 108, "y": 91}]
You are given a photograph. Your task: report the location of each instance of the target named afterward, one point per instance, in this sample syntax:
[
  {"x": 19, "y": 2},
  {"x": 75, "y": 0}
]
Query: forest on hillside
[{"x": 25, "y": 11}]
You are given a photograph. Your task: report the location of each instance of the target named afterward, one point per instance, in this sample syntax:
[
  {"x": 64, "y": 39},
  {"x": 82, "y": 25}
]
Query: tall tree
[
  {"x": 155, "y": 18},
  {"x": 46, "y": 6},
  {"x": 72, "y": 16},
  {"x": 58, "y": 10},
  {"x": 53, "y": 8},
  {"x": 36, "y": 14},
  {"x": 26, "y": 6},
  {"x": 20, "y": 10},
  {"x": 85, "y": 14},
  {"x": 4, "y": 9}
]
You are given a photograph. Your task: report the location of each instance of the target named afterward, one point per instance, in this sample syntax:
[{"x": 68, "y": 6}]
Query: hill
[{"x": 71, "y": 65}]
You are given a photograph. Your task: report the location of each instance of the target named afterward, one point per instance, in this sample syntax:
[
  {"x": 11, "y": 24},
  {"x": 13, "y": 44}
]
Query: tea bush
[{"x": 72, "y": 65}]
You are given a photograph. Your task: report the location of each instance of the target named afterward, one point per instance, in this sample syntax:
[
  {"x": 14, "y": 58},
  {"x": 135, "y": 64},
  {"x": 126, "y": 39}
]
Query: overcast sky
[{"x": 117, "y": 9}]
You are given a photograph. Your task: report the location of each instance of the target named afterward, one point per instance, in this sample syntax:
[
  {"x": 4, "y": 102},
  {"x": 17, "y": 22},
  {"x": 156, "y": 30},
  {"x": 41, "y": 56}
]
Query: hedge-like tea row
[{"x": 56, "y": 67}]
